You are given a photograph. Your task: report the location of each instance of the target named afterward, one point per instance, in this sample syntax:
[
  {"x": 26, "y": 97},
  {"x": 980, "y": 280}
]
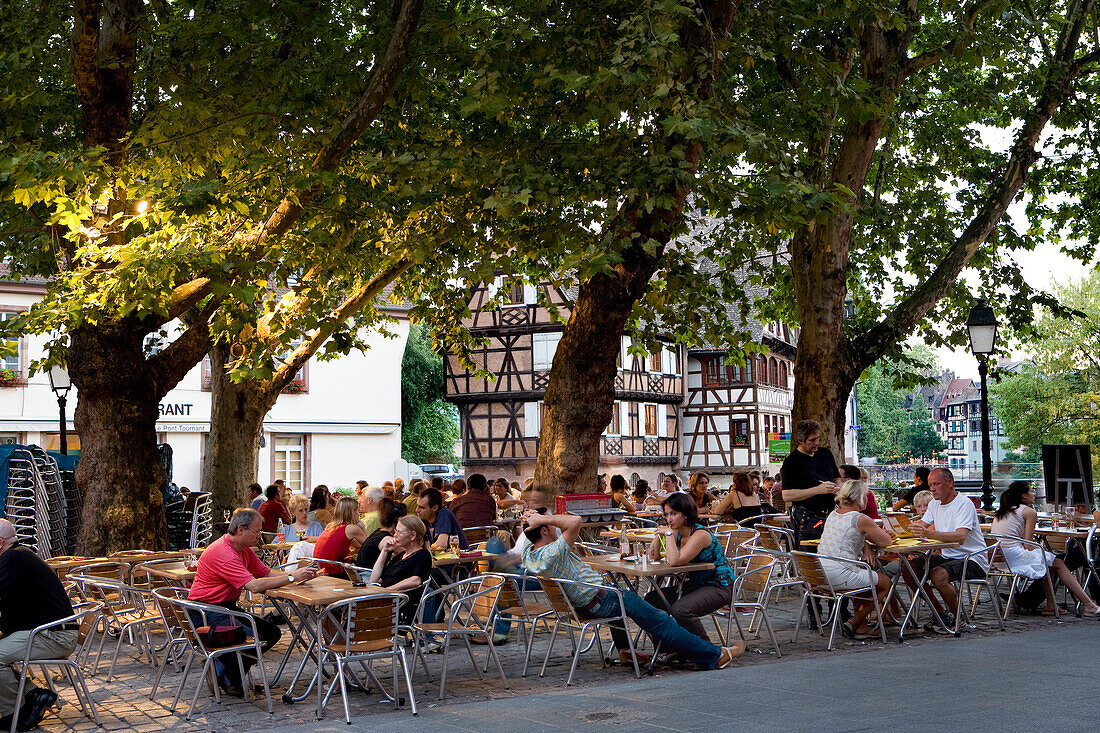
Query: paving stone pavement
[{"x": 535, "y": 703}]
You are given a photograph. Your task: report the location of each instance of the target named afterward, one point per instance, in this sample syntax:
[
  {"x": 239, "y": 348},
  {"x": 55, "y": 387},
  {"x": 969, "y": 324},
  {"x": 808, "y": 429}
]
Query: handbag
[
  {"x": 807, "y": 524},
  {"x": 217, "y": 637}
]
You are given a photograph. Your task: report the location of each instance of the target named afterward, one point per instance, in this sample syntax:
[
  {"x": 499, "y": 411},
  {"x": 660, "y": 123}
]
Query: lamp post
[
  {"x": 982, "y": 325},
  {"x": 61, "y": 384}
]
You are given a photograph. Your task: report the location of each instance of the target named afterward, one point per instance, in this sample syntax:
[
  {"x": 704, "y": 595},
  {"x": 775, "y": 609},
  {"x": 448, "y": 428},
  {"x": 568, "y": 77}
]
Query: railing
[{"x": 1003, "y": 472}]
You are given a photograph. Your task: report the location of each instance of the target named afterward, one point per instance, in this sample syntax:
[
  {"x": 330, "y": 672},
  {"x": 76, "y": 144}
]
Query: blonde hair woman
[
  {"x": 301, "y": 528},
  {"x": 847, "y": 531},
  {"x": 404, "y": 563},
  {"x": 341, "y": 539}
]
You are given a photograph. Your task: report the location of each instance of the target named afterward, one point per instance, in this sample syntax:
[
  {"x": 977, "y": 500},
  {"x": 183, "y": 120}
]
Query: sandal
[{"x": 848, "y": 630}]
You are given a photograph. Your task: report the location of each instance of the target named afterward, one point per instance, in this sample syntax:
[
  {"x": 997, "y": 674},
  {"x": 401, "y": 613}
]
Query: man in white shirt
[{"x": 951, "y": 517}]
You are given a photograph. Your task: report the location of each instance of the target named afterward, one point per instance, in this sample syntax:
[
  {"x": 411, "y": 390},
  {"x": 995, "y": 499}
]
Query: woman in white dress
[
  {"x": 1016, "y": 518},
  {"x": 847, "y": 531}
]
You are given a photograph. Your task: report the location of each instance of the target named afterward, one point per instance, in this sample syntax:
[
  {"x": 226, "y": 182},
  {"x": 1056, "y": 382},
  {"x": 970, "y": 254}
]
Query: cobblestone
[{"x": 124, "y": 702}]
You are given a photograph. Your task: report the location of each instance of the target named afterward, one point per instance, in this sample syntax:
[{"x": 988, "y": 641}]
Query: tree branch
[
  {"x": 905, "y": 316},
  {"x": 955, "y": 46},
  {"x": 179, "y": 357},
  {"x": 285, "y": 373}
]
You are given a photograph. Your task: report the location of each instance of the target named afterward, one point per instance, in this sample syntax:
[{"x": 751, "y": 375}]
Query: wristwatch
[{"x": 291, "y": 576}]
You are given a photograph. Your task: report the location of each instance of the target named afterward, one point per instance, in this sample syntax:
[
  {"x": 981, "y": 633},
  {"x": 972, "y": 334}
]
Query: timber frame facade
[
  {"x": 662, "y": 422},
  {"x": 731, "y": 410}
]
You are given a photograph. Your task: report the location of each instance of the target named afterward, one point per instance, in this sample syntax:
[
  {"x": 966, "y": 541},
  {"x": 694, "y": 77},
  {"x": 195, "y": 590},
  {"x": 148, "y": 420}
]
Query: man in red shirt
[
  {"x": 273, "y": 510},
  {"x": 228, "y": 566},
  {"x": 476, "y": 507}
]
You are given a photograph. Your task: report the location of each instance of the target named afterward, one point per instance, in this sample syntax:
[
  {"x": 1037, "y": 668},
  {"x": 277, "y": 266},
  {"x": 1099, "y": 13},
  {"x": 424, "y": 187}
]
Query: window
[
  {"x": 783, "y": 374},
  {"x": 543, "y": 348},
  {"x": 739, "y": 433},
  {"x": 650, "y": 421},
  {"x": 655, "y": 363},
  {"x": 289, "y": 465},
  {"x": 615, "y": 426},
  {"x": 773, "y": 371},
  {"x": 298, "y": 384},
  {"x": 717, "y": 373},
  {"x": 13, "y": 361},
  {"x": 762, "y": 369},
  {"x": 52, "y": 441},
  {"x": 533, "y": 414}
]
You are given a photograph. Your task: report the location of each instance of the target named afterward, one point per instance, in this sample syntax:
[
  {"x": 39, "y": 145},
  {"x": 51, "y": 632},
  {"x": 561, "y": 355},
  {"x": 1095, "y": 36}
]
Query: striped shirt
[{"x": 556, "y": 560}]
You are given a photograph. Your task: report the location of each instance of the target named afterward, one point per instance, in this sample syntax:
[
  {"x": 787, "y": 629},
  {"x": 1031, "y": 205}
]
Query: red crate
[{"x": 569, "y": 502}]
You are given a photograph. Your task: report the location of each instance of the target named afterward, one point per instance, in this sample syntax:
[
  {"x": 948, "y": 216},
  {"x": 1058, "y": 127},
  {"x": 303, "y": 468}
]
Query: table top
[
  {"x": 606, "y": 564},
  {"x": 455, "y": 560},
  {"x": 175, "y": 571},
  {"x": 322, "y": 590},
  {"x": 1063, "y": 531},
  {"x": 634, "y": 535},
  {"x": 917, "y": 544}
]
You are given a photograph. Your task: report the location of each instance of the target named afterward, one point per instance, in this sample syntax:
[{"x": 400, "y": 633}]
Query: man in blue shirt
[{"x": 441, "y": 521}]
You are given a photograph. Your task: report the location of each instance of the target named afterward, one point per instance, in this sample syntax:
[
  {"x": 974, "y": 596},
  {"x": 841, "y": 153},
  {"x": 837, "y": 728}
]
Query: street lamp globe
[
  {"x": 982, "y": 325},
  {"x": 60, "y": 382}
]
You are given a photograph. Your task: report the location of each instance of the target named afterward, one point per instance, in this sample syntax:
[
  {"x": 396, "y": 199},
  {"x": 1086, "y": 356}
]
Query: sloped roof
[{"x": 954, "y": 391}]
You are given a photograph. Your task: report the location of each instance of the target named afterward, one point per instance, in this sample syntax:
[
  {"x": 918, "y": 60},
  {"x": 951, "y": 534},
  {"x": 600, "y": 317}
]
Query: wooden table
[
  {"x": 443, "y": 564},
  {"x": 176, "y": 573},
  {"x": 903, "y": 549},
  {"x": 62, "y": 567},
  {"x": 633, "y": 535},
  {"x": 306, "y": 601}
]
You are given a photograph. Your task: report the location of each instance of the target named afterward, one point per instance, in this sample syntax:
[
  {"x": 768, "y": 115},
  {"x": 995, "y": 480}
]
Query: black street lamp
[
  {"x": 61, "y": 384},
  {"x": 982, "y": 325}
]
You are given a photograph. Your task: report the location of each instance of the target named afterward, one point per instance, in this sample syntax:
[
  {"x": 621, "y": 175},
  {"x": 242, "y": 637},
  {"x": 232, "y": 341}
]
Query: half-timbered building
[
  {"x": 500, "y": 417},
  {"x": 732, "y": 411}
]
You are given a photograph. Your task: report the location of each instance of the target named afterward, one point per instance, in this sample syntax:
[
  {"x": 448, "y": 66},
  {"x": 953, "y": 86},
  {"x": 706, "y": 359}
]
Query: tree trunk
[
  {"x": 581, "y": 389},
  {"x": 237, "y": 412},
  {"x": 119, "y": 472}
]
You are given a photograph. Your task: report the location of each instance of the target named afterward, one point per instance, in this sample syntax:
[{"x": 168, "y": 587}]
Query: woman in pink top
[{"x": 342, "y": 537}]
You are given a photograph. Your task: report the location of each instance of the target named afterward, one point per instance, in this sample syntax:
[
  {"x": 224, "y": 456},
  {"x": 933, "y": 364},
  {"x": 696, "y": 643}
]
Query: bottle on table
[{"x": 624, "y": 541}]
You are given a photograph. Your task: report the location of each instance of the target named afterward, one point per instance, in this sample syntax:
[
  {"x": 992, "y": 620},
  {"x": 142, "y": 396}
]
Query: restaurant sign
[{"x": 779, "y": 446}]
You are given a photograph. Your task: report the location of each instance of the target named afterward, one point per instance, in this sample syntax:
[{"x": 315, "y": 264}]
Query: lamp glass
[
  {"x": 59, "y": 379},
  {"x": 982, "y": 325}
]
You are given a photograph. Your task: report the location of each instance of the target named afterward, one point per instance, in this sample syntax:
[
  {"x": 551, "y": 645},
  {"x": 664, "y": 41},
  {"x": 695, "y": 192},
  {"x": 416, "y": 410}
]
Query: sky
[{"x": 1043, "y": 268}]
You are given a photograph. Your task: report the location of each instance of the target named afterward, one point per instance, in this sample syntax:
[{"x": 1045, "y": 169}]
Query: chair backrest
[
  {"x": 555, "y": 596},
  {"x": 482, "y": 606},
  {"x": 130, "y": 553},
  {"x": 808, "y": 567},
  {"x": 736, "y": 539},
  {"x": 110, "y": 569},
  {"x": 723, "y": 528},
  {"x": 362, "y": 620},
  {"x": 88, "y": 617},
  {"x": 509, "y": 596},
  {"x": 757, "y": 573},
  {"x": 174, "y": 614}
]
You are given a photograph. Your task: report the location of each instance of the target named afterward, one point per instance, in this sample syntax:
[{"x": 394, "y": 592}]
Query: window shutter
[
  {"x": 624, "y": 418},
  {"x": 662, "y": 421},
  {"x": 529, "y": 296},
  {"x": 531, "y": 419}
]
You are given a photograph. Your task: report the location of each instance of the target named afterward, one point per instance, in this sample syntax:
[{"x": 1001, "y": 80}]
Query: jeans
[
  {"x": 658, "y": 624},
  {"x": 695, "y": 602},
  {"x": 228, "y": 669},
  {"x": 526, "y": 582}
]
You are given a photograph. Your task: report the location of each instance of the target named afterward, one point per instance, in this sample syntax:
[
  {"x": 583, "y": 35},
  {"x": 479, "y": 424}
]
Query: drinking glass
[
  {"x": 225, "y": 515},
  {"x": 454, "y": 544}
]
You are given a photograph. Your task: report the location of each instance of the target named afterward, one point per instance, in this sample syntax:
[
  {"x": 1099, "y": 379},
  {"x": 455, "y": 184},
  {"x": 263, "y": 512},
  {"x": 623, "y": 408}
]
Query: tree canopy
[{"x": 429, "y": 424}]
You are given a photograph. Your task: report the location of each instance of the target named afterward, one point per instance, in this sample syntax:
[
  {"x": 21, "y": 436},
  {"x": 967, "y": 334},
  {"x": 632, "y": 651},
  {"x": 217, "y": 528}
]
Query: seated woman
[
  {"x": 1016, "y": 518},
  {"x": 855, "y": 473},
  {"x": 697, "y": 489},
  {"x": 502, "y": 493},
  {"x": 404, "y": 563},
  {"x": 389, "y": 512},
  {"x": 847, "y": 531},
  {"x": 683, "y": 541},
  {"x": 342, "y": 537},
  {"x": 619, "y": 498},
  {"x": 302, "y": 528},
  {"x": 742, "y": 504},
  {"x": 320, "y": 505}
]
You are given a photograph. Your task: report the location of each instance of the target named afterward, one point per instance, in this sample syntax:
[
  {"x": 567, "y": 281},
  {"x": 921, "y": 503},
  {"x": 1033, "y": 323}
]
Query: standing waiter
[{"x": 30, "y": 595}]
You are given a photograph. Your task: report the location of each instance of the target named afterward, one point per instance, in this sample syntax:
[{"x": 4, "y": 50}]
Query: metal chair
[
  {"x": 127, "y": 612},
  {"x": 479, "y": 534},
  {"x": 85, "y": 618},
  {"x": 817, "y": 585},
  {"x": 566, "y": 617},
  {"x": 989, "y": 552},
  {"x": 1001, "y": 568},
  {"x": 362, "y": 630},
  {"x": 470, "y": 611},
  {"x": 512, "y": 601},
  {"x": 171, "y": 601},
  {"x": 752, "y": 579}
]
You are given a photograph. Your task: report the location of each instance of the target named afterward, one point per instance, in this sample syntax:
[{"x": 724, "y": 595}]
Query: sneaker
[{"x": 729, "y": 653}]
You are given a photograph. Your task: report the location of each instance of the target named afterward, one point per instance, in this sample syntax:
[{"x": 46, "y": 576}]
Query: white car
[{"x": 445, "y": 471}]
